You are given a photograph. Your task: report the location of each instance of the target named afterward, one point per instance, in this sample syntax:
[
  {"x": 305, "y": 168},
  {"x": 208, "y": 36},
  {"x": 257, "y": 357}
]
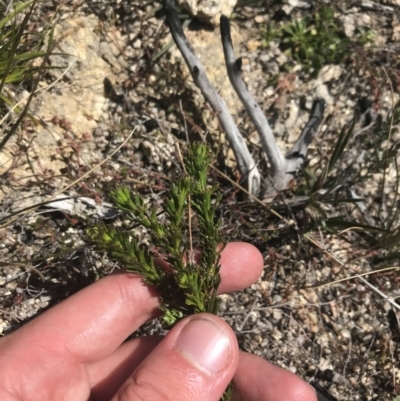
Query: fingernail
[{"x": 203, "y": 343}]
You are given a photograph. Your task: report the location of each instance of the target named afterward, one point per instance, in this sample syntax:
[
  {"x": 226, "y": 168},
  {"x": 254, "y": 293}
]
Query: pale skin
[{"x": 76, "y": 351}]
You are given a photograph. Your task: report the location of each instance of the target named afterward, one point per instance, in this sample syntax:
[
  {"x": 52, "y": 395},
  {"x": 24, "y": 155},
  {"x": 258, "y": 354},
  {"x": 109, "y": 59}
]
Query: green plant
[
  {"x": 19, "y": 48},
  {"x": 331, "y": 193},
  {"x": 380, "y": 159},
  {"x": 365, "y": 35},
  {"x": 188, "y": 284},
  {"x": 14, "y": 56},
  {"x": 314, "y": 41},
  {"x": 321, "y": 189},
  {"x": 269, "y": 33},
  {"x": 325, "y": 190}
]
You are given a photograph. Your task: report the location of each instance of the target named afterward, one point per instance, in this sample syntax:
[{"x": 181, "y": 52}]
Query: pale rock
[
  {"x": 230, "y": 159},
  {"x": 299, "y": 3},
  {"x": 245, "y": 64},
  {"x": 208, "y": 48},
  {"x": 351, "y": 21},
  {"x": 396, "y": 29},
  {"x": 282, "y": 59},
  {"x": 324, "y": 364},
  {"x": 322, "y": 92},
  {"x": 277, "y": 314},
  {"x": 363, "y": 20},
  {"x": 260, "y": 19},
  {"x": 77, "y": 98},
  {"x": 40, "y": 156},
  {"x": 291, "y": 120},
  {"x": 380, "y": 40},
  {"x": 349, "y": 24},
  {"x": 80, "y": 101},
  {"x": 330, "y": 72},
  {"x": 253, "y": 45},
  {"x": 287, "y": 8},
  {"x": 137, "y": 44},
  {"x": 291, "y": 4},
  {"x": 208, "y": 11},
  {"x": 269, "y": 92},
  {"x": 114, "y": 48}
]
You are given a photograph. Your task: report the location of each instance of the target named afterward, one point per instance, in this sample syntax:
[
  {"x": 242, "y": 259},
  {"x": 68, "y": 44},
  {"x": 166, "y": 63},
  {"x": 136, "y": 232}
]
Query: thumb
[{"x": 194, "y": 362}]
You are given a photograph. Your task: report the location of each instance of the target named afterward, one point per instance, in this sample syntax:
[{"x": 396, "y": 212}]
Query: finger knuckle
[{"x": 139, "y": 388}]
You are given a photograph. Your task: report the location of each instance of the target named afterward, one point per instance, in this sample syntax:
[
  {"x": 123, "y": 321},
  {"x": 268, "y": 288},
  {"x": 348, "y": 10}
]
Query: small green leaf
[{"x": 187, "y": 286}]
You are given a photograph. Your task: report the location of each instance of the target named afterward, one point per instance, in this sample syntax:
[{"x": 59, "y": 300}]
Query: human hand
[{"x": 76, "y": 350}]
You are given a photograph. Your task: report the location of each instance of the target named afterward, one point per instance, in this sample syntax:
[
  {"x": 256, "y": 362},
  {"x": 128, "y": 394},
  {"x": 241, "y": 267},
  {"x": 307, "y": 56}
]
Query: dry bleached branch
[{"x": 283, "y": 168}]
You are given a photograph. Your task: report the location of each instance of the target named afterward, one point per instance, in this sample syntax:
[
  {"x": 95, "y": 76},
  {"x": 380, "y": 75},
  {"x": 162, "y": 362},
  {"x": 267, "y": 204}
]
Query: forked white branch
[{"x": 283, "y": 169}]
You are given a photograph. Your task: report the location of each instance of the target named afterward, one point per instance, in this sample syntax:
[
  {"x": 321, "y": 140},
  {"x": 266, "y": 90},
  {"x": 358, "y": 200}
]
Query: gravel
[{"x": 344, "y": 335}]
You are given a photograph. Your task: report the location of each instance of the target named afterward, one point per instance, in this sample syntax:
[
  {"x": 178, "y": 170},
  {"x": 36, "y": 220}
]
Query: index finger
[{"x": 92, "y": 323}]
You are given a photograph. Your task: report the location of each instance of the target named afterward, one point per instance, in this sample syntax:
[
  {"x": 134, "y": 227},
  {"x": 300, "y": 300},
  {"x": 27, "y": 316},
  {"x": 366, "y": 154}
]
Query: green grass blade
[
  {"x": 341, "y": 144},
  {"x": 168, "y": 46},
  {"x": 17, "y": 11},
  {"x": 16, "y": 40},
  {"x": 341, "y": 224}
]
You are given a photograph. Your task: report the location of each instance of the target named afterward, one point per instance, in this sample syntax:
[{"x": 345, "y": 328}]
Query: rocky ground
[{"x": 115, "y": 75}]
